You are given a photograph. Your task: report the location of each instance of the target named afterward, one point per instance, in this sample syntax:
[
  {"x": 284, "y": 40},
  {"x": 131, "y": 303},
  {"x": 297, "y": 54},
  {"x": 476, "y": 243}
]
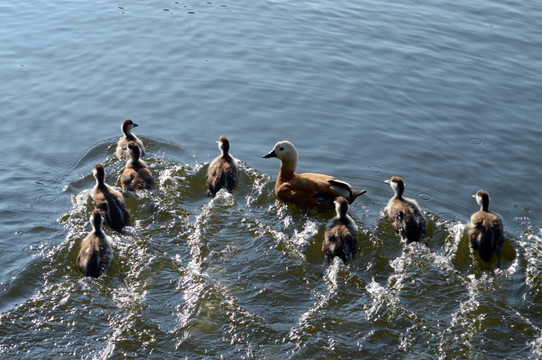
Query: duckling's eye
[{"x": 281, "y": 149}]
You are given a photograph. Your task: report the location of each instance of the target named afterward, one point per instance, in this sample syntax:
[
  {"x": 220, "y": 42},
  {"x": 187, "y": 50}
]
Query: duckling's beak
[
  {"x": 135, "y": 125},
  {"x": 270, "y": 155},
  {"x": 387, "y": 181},
  {"x": 125, "y": 147}
]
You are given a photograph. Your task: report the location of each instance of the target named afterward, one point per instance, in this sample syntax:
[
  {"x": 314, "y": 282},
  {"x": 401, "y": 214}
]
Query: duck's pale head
[{"x": 283, "y": 150}]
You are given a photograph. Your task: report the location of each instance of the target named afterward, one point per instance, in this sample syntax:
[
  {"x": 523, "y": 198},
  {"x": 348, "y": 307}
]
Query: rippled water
[{"x": 446, "y": 95}]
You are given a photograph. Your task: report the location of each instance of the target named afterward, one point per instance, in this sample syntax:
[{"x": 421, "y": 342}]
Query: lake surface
[{"x": 446, "y": 95}]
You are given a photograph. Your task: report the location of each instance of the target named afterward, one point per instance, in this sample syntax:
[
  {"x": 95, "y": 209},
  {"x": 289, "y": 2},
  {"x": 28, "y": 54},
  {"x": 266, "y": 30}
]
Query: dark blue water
[{"x": 445, "y": 95}]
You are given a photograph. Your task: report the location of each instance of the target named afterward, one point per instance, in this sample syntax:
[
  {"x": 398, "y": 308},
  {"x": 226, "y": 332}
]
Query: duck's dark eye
[{"x": 281, "y": 149}]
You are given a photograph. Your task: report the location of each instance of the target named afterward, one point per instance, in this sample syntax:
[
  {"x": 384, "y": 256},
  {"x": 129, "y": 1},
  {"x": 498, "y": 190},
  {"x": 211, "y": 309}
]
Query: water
[{"x": 446, "y": 95}]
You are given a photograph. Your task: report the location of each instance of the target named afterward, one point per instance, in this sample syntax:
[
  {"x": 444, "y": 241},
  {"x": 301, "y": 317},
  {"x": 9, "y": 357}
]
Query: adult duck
[{"x": 307, "y": 190}]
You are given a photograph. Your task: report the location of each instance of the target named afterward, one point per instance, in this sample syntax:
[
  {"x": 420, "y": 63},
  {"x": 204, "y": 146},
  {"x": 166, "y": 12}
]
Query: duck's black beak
[
  {"x": 270, "y": 155},
  {"x": 135, "y": 125}
]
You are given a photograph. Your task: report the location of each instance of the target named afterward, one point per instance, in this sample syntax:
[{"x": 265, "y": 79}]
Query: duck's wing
[{"x": 345, "y": 188}]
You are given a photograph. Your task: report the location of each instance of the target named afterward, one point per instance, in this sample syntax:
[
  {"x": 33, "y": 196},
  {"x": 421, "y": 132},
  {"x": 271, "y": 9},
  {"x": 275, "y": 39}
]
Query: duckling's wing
[
  {"x": 497, "y": 228},
  {"x": 127, "y": 178},
  {"x": 413, "y": 227},
  {"x": 106, "y": 255},
  {"x": 417, "y": 217},
  {"x": 118, "y": 215},
  {"x": 148, "y": 180}
]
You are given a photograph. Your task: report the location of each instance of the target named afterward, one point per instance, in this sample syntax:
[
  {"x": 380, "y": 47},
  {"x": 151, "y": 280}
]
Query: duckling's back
[
  {"x": 95, "y": 256},
  {"x": 222, "y": 173},
  {"x": 486, "y": 234}
]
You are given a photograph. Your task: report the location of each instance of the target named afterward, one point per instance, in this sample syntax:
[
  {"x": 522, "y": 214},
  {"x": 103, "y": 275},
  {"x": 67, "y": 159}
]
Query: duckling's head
[
  {"x": 133, "y": 149},
  {"x": 397, "y": 184},
  {"x": 127, "y": 126},
  {"x": 482, "y": 198},
  {"x": 224, "y": 145},
  {"x": 341, "y": 206},
  {"x": 99, "y": 173},
  {"x": 96, "y": 220},
  {"x": 283, "y": 150}
]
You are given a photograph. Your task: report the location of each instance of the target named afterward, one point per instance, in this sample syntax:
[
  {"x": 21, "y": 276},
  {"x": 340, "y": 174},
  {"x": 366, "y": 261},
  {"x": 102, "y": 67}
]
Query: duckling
[
  {"x": 405, "y": 214},
  {"x": 109, "y": 201},
  {"x": 307, "y": 190},
  {"x": 96, "y": 254},
  {"x": 223, "y": 170},
  {"x": 136, "y": 175},
  {"x": 486, "y": 229},
  {"x": 126, "y": 127},
  {"x": 340, "y": 236}
]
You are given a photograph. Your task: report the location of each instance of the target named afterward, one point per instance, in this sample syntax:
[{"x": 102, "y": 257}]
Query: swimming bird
[
  {"x": 486, "y": 229},
  {"x": 126, "y": 127},
  {"x": 136, "y": 175},
  {"x": 405, "y": 214},
  {"x": 340, "y": 236},
  {"x": 223, "y": 170},
  {"x": 109, "y": 201},
  {"x": 96, "y": 254},
  {"x": 307, "y": 190}
]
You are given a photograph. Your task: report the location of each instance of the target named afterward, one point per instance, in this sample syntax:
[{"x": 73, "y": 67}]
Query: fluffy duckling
[
  {"x": 340, "y": 236},
  {"x": 308, "y": 190},
  {"x": 405, "y": 214},
  {"x": 136, "y": 175},
  {"x": 486, "y": 229},
  {"x": 223, "y": 170},
  {"x": 109, "y": 201},
  {"x": 126, "y": 127},
  {"x": 96, "y": 254}
]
